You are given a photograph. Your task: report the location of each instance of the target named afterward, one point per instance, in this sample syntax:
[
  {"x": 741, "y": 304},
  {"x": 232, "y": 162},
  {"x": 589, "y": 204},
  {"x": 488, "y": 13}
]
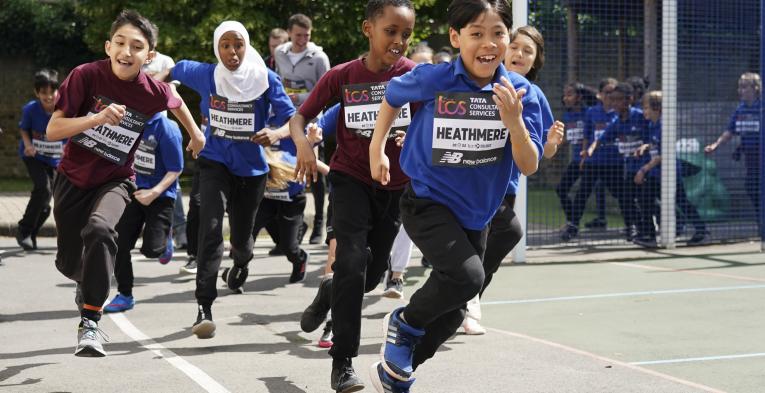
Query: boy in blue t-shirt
[
  {"x": 40, "y": 156},
  {"x": 158, "y": 164},
  {"x": 476, "y": 122}
]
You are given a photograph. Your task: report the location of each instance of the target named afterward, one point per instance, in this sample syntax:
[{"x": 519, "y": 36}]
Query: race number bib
[
  {"x": 145, "y": 158},
  {"x": 575, "y": 132},
  {"x": 112, "y": 143},
  {"x": 294, "y": 86},
  {"x": 467, "y": 130},
  {"x": 232, "y": 120},
  {"x": 277, "y": 195},
  {"x": 49, "y": 149},
  {"x": 746, "y": 125},
  {"x": 361, "y": 104},
  {"x": 627, "y": 144}
]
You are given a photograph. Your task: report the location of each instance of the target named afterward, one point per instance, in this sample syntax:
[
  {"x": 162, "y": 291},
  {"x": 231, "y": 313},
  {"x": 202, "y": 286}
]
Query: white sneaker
[{"x": 472, "y": 327}]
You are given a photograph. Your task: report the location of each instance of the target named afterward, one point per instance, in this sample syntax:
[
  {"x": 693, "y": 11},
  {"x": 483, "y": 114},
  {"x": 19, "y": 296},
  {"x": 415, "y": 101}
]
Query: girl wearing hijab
[{"x": 236, "y": 95}]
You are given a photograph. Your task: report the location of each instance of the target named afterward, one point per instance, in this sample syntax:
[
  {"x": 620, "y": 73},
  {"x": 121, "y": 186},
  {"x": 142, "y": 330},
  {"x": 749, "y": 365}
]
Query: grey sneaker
[
  {"x": 190, "y": 267},
  {"x": 394, "y": 288},
  {"x": 88, "y": 342}
]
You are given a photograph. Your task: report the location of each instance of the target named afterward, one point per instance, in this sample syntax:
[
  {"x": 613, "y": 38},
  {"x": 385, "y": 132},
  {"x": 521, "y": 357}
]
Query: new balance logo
[
  {"x": 451, "y": 157},
  {"x": 87, "y": 142}
]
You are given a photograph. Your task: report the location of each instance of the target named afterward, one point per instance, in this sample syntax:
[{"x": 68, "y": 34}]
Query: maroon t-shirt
[
  {"x": 352, "y": 154},
  {"x": 77, "y": 97}
]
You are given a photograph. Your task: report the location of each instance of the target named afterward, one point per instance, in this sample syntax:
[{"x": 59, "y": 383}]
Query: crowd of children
[{"x": 102, "y": 147}]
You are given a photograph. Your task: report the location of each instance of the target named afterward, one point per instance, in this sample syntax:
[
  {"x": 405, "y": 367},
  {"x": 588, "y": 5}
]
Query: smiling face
[
  {"x": 482, "y": 44},
  {"x": 128, "y": 50},
  {"x": 389, "y": 34},
  {"x": 47, "y": 96},
  {"x": 300, "y": 36},
  {"x": 231, "y": 48},
  {"x": 521, "y": 54}
]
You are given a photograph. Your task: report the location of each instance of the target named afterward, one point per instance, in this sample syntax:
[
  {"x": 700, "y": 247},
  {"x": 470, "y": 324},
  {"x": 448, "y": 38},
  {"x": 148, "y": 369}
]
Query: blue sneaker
[
  {"x": 168, "y": 254},
  {"x": 384, "y": 383},
  {"x": 397, "y": 350},
  {"x": 120, "y": 303}
]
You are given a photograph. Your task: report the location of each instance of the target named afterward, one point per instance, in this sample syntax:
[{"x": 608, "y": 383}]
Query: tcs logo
[
  {"x": 99, "y": 105},
  {"x": 451, "y": 107},
  {"x": 354, "y": 96},
  {"x": 217, "y": 103}
]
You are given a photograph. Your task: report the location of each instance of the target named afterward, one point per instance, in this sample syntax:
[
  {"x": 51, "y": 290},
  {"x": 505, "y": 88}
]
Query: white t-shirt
[{"x": 295, "y": 57}]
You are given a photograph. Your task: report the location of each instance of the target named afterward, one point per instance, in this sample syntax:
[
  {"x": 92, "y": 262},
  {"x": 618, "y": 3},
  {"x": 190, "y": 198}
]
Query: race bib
[
  {"x": 277, "y": 195},
  {"x": 49, "y": 149},
  {"x": 294, "y": 87},
  {"x": 575, "y": 132},
  {"x": 112, "y": 143},
  {"x": 628, "y": 144},
  {"x": 361, "y": 104},
  {"x": 467, "y": 130},
  {"x": 232, "y": 120},
  {"x": 747, "y": 126},
  {"x": 145, "y": 157}
]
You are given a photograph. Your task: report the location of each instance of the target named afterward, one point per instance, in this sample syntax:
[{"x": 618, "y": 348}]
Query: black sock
[{"x": 91, "y": 314}]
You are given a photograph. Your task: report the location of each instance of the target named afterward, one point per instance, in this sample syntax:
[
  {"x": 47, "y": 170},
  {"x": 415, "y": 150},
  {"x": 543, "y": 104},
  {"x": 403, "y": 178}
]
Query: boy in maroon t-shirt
[
  {"x": 366, "y": 216},
  {"x": 103, "y": 107}
]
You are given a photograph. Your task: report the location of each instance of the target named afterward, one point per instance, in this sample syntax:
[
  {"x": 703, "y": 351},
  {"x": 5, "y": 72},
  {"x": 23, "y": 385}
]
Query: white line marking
[
  {"x": 608, "y": 360},
  {"x": 624, "y": 294},
  {"x": 688, "y": 271},
  {"x": 700, "y": 359},
  {"x": 196, "y": 374}
]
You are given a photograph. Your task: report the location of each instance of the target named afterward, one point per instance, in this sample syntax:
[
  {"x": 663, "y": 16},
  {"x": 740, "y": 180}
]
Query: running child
[
  {"x": 237, "y": 95},
  {"x": 456, "y": 187},
  {"x": 365, "y": 213},
  {"x": 158, "y": 164},
  {"x": 103, "y": 108},
  {"x": 40, "y": 156}
]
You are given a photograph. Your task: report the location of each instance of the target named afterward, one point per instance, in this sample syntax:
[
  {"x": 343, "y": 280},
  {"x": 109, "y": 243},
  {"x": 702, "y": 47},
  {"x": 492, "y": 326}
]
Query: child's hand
[
  {"x": 146, "y": 196},
  {"x": 111, "y": 115},
  {"x": 556, "y": 133},
  {"x": 640, "y": 177},
  {"x": 265, "y": 137},
  {"x": 315, "y": 134},
  {"x": 379, "y": 164},
  {"x": 400, "y": 136},
  {"x": 508, "y": 101},
  {"x": 710, "y": 148},
  {"x": 305, "y": 168},
  {"x": 196, "y": 144},
  {"x": 29, "y": 151}
]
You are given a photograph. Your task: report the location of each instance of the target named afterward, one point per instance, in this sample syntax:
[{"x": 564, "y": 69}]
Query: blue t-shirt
[
  {"x": 159, "y": 152},
  {"x": 473, "y": 194},
  {"x": 242, "y": 158},
  {"x": 293, "y": 188},
  {"x": 596, "y": 119},
  {"x": 34, "y": 121},
  {"x": 745, "y": 122},
  {"x": 624, "y": 136},
  {"x": 654, "y": 133},
  {"x": 547, "y": 122},
  {"x": 574, "y": 122}
]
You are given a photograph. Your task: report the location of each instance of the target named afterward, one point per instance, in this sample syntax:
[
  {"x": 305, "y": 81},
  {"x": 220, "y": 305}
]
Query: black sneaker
[
  {"x": 316, "y": 234},
  {"x": 344, "y": 378},
  {"x": 596, "y": 223},
  {"x": 394, "y": 288},
  {"x": 204, "y": 327},
  {"x": 89, "y": 338},
  {"x": 275, "y": 252},
  {"x": 425, "y": 263},
  {"x": 698, "y": 238},
  {"x": 569, "y": 232},
  {"x": 316, "y": 312},
  {"x": 25, "y": 241},
  {"x": 298, "y": 268},
  {"x": 645, "y": 241},
  {"x": 190, "y": 267},
  {"x": 630, "y": 233},
  {"x": 235, "y": 277}
]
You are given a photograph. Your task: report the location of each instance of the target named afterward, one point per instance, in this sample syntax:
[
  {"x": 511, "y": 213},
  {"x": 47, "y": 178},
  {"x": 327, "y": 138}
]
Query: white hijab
[{"x": 250, "y": 80}]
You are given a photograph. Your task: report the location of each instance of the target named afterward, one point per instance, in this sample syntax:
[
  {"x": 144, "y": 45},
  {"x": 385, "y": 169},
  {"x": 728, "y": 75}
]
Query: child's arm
[
  {"x": 268, "y": 136},
  {"x": 510, "y": 107},
  {"x": 724, "y": 138},
  {"x": 379, "y": 164},
  {"x": 640, "y": 175},
  {"x": 197, "y": 142},
  {"x": 147, "y": 196},
  {"x": 305, "y": 169},
  {"x": 29, "y": 148},
  {"x": 554, "y": 138},
  {"x": 61, "y": 127}
]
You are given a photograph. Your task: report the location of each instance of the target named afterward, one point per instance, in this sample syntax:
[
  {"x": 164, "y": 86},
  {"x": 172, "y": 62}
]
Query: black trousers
[
  {"x": 218, "y": 189},
  {"x": 38, "y": 207},
  {"x": 612, "y": 177},
  {"x": 87, "y": 238},
  {"x": 318, "y": 189},
  {"x": 366, "y": 221},
  {"x": 286, "y": 217},
  {"x": 155, "y": 220},
  {"x": 457, "y": 276},
  {"x": 192, "y": 217},
  {"x": 648, "y": 195},
  {"x": 505, "y": 232}
]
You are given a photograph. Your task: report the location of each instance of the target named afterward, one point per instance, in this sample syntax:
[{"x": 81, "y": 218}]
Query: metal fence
[{"x": 694, "y": 52}]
